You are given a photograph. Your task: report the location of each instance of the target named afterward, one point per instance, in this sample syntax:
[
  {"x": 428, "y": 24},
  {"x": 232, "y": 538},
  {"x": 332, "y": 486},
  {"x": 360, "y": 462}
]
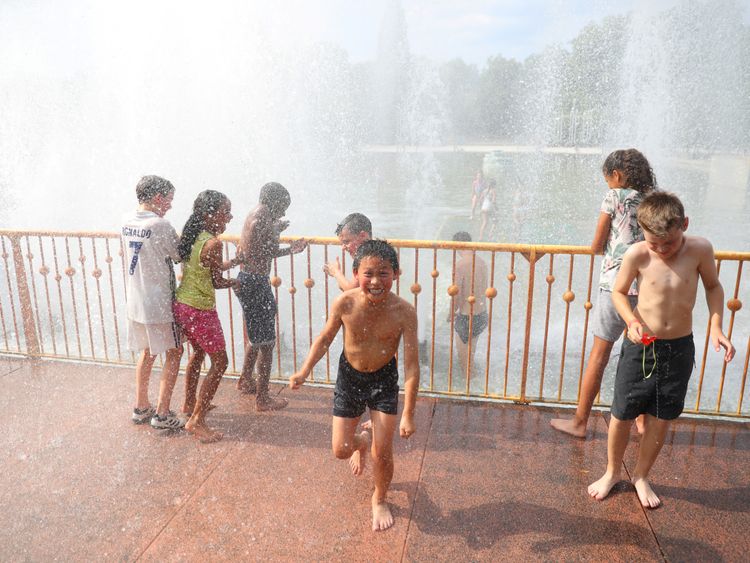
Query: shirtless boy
[
  {"x": 374, "y": 320},
  {"x": 653, "y": 379},
  {"x": 352, "y": 231},
  {"x": 471, "y": 279},
  {"x": 259, "y": 245}
]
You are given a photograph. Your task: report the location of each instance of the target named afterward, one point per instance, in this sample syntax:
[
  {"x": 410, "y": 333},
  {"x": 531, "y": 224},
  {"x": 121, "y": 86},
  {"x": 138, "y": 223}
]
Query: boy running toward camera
[{"x": 375, "y": 320}]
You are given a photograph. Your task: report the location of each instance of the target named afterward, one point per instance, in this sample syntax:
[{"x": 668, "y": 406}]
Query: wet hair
[
  {"x": 356, "y": 223},
  {"x": 208, "y": 202},
  {"x": 150, "y": 186},
  {"x": 633, "y": 165},
  {"x": 462, "y": 236},
  {"x": 660, "y": 212},
  {"x": 275, "y": 196},
  {"x": 377, "y": 248}
]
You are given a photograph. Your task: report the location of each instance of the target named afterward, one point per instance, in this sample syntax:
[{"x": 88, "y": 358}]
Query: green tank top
[{"x": 196, "y": 288}]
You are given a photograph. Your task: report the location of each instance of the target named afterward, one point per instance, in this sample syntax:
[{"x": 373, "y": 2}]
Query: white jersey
[{"x": 150, "y": 244}]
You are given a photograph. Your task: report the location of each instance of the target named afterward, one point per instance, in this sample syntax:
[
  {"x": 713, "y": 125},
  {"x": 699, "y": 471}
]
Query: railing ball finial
[
  {"x": 471, "y": 299},
  {"x": 309, "y": 283},
  {"x": 550, "y": 279},
  {"x": 568, "y": 296},
  {"x": 275, "y": 281},
  {"x": 511, "y": 277},
  {"x": 292, "y": 290},
  {"x": 453, "y": 290},
  {"x": 70, "y": 271},
  {"x": 491, "y": 292},
  {"x": 415, "y": 288},
  {"x": 588, "y": 305},
  {"x": 44, "y": 270},
  {"x": 96, "y": 272},
  {"x": 435, "y": 274},
  {"x": 734, "y": 305}
]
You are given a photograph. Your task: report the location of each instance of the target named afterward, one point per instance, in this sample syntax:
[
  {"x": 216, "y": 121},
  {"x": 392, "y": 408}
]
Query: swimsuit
[
  {"x": 653, "y": 379},
  {"x": 258, "y": 307},
  {"x": 356, "y": 390},
  {"x": 461, "y": 325}
]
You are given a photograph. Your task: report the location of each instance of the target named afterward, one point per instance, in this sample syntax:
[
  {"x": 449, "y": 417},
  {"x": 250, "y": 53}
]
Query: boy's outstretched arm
[
  {"x": 333, "y": 269},
  {"x": 714, "y": 299},
  {"x": 320, "y": 346},
  {"x": 411, "y": 373},
  {"x": 628, "y": 272}
]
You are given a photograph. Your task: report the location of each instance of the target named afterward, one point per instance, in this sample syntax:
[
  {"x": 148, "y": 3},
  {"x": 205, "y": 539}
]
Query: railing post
[
  {"x": 24, "y": 298},
  {"x": 527, "y": 332}
]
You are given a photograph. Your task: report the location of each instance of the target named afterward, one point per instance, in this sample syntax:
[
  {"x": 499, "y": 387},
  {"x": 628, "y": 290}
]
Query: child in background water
[
  {"x": 630, "y": 178},
  {"x": 195, "y": 304}
]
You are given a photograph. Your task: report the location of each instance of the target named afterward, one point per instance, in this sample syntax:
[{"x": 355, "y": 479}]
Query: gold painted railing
[{"x": 64, "y": 297}]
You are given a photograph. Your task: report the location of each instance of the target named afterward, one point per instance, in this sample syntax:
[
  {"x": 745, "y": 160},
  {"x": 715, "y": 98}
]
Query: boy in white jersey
[{"x": 150, "y": 244}]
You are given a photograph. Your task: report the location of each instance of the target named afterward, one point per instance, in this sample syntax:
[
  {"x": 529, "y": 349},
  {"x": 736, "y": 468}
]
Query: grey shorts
[{"x": 607, "y": 324}]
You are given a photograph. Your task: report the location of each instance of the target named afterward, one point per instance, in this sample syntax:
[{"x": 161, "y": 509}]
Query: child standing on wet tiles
[
  {"x": 150, "y": 244},
  {"x": 653, "y": 374},
  {"x": 630, "y": 178}
]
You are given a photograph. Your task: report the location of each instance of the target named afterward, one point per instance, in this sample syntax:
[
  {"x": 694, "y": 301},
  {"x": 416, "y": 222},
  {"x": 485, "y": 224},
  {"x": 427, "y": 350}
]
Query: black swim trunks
[
  {"x": 461, "y": 325},
  {"x": 356, "y": 390},
  {"x": 653, "y": 386},
  {"x": 258, "y": 307}
]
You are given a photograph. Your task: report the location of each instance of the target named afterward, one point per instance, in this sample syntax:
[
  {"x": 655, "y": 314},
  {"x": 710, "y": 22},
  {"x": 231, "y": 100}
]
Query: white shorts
[{"x": 157, "y": 338}]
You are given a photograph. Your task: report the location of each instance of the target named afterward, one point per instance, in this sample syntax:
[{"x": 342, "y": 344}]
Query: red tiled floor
[{"x": 477, "y": 482}]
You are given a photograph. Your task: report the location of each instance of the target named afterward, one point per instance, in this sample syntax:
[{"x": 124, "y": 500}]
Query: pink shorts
[{"x": 202, "y": 328}]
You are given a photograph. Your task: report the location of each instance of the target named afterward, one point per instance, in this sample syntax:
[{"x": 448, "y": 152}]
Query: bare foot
[
  {"x": 203, "y": 432},
  {"x": 270, "y": 404},
  {"x": 569, "y": 426},
  {"x": 640, "y": 424},
  {"x": 188, "y": 414},
  {"x": 646, "y": 494},
  {"x": 357, "y": 459},
  {"x": 382, "y": 519},
  {"x": 246, "y": 388},
  {"x": 600, "y": 489}
]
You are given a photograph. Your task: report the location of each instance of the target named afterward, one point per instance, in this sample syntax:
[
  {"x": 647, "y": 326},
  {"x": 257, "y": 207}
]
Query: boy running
[
  {"x": 150, "y": 244},
  {"x": 652, "y": 375},
  {"x": 374, "y": 320}
]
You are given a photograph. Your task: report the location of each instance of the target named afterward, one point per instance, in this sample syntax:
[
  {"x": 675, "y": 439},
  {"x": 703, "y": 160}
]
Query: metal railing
[{"x": 64, "y": 297}]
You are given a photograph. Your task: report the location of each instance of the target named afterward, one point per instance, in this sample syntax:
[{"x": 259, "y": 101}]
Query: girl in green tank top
[{"x": 195, "y": 305}]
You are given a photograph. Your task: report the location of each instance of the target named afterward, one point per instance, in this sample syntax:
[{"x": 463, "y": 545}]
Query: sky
[
  {"x": 65, "y": 32},
  {"x": 472, "y": 30}
]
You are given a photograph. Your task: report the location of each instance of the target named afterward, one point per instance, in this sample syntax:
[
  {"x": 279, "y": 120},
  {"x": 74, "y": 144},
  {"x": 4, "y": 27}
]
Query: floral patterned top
[{"x": 620, "y": 204}]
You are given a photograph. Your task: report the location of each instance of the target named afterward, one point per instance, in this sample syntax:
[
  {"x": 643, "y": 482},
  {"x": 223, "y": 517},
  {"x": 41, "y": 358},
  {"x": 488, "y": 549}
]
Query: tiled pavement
[{"x": 478, "y": 482}]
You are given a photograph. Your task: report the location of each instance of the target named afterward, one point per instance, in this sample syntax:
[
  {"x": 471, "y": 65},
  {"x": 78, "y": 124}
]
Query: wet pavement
[{"x": 478, "y": 482}]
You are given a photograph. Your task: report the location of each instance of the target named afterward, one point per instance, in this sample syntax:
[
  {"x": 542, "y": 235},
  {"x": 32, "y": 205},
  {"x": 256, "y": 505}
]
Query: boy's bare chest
[
  {"x": 375, "y": 329},
  {"x": 670, "y": 278}
]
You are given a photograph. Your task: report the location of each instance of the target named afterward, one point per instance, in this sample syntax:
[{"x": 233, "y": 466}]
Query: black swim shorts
[
  {"x": 461, "y": 325},
  {"x": 653, "y": 379},
  {"x": 356, "y": 390},
  {"x": 258, "y": 307}
]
